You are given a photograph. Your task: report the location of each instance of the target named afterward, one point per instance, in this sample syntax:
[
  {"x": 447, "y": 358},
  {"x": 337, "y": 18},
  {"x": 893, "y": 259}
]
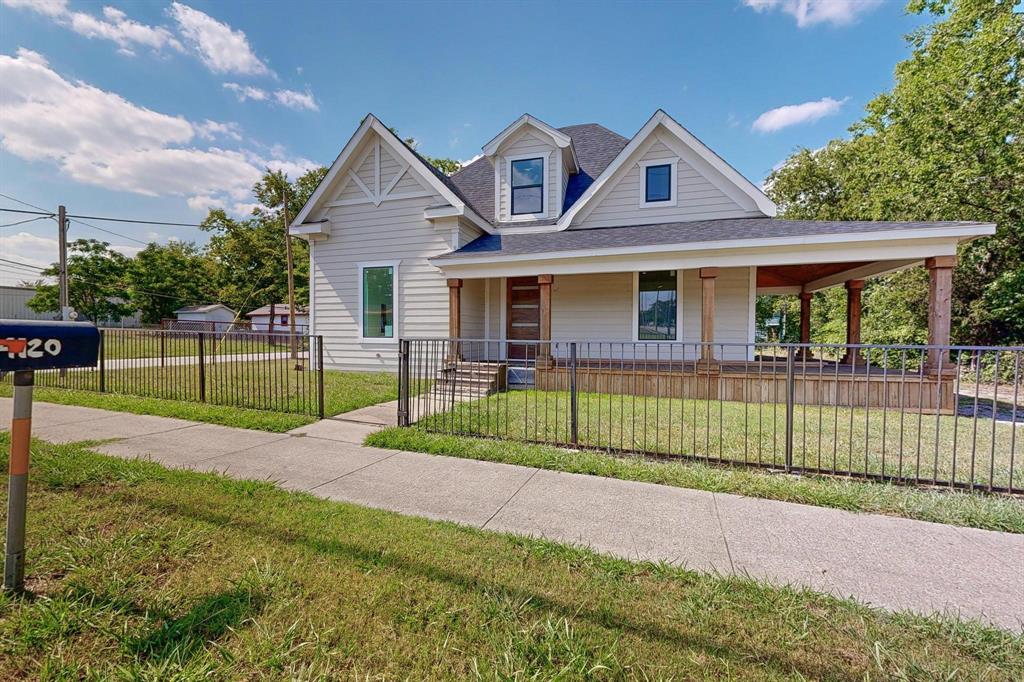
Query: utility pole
[
  {"x": 62, "y": 241},
  {"x": 291, "y": 280}
]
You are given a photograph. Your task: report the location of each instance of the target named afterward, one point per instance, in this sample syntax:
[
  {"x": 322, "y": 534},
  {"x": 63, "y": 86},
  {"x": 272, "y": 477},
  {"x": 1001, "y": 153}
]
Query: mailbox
[{"x": 36, "y": 344}]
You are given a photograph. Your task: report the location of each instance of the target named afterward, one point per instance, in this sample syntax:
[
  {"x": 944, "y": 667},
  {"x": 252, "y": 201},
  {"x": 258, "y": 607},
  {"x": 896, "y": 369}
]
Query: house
[
  {"x": 263, "y": 317},
  {"x": 579, "y": 233},
  {"x": 212, "y": 317}
]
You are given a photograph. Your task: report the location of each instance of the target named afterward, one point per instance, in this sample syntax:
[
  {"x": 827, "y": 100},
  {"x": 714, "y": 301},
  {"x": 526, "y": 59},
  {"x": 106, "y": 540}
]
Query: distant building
[
  {"x": 213, "y": 317},
  {"x": 14, "y": 305},
  {"x": 260, "y": 319}
]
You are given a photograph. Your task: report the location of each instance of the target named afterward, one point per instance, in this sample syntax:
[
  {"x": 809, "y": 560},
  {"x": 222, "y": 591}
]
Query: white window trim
[
  {"x": 545, "y": 188},
  {"x": 635, "y": 324},
  {"x": 393, "y": 264},
  {"x": 673, "y": 181}
]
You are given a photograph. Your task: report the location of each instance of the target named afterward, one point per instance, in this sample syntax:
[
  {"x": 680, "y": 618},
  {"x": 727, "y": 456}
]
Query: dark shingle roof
[
  {"x": 680, "y": 233},
  {"x": 595, "y": 146}
]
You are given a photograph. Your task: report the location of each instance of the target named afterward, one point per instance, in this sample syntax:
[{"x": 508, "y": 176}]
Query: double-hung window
[
  {"x": 657, "y": 306},
  {"x": 377, "y": 300},
  {"x": 527, "y": 183}
]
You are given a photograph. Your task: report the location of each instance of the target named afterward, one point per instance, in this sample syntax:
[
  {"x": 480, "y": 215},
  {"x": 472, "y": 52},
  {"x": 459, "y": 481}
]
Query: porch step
[{"x": 469, "y": 380}]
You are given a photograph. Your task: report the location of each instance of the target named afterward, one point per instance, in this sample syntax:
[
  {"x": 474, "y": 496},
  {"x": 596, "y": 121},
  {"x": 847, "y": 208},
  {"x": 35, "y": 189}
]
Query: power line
[
  {"x": 27, "y": 220},
  {"x": 45, "y": 214},
  {"x": 19, "y": 201},
  {"x": 116, "y": 234},
  {"x": 24, "y": 265},
  {"x": 140, "y": 222}
]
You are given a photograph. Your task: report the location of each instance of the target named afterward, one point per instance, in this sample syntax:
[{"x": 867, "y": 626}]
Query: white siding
[
  {"x": 698, "y": 197},
  {"x": 468, "y": 232},
  {"x": 529, "y": 142},
  {"x": 363, "y": 233},
  {"x": 600, "y": 307}
]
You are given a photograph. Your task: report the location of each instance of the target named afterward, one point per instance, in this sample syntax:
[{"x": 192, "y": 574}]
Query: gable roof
[
  {"x": 660, "y": 118},
  {"x": 595, "y": 146},
  {"x": 435, "y": 178},
  {"x": 561, "y": 139}
]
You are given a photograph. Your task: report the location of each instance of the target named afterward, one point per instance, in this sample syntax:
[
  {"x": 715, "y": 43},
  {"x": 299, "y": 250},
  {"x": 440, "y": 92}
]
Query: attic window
[
  {"x": 658, "y": 182},
  {"x": 527, "y": 186}
]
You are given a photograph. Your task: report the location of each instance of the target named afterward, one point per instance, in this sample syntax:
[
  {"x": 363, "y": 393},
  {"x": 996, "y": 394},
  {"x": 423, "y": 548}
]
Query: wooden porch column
[
  {"x": 707, "y": 312},
  {"x": 805, "y": 325},
  {"x": 544, "y": 350},
  {"x": 454, "y": 316},
  {"x": 940, "y": 302},
  {"x": 853, "y": 288}
]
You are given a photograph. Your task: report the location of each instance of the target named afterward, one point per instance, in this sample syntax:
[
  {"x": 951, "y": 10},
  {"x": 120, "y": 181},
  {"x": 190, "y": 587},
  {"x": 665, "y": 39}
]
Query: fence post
[
  {"x": 790, "y": 395},
  {"x": 320, "y": 375},
  {"x": 573, "y": 401},
  {"x": 103, "y": 360},
  {"x": 163, "y": 348},
  {"x": 202, "y": 370},
  {"x": 403, "y": 382}
]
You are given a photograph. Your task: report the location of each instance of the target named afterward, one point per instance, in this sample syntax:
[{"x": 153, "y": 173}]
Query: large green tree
[
  {"x": 96, "y": 275},
  {"x": 248, "y": 255},
  {"x": 944, "y": 144},
  {"x": 162, "y": 278}
]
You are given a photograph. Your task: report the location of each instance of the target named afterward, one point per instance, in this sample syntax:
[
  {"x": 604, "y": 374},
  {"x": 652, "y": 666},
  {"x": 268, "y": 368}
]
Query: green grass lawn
[
  {"x": 876, "y": 441},
  {"x": 991, "y": 512},
  {"x": 173, "y": 392},
  {"x": 139, "y": 572},
  {"x": 138, "y": 343}
]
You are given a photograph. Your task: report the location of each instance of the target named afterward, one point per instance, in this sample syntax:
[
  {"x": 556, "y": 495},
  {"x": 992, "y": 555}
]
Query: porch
[{"x": 690, "y": 333}]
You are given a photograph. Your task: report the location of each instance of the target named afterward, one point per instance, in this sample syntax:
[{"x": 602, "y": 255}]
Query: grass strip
[
  {"x": 141, "y": 572},
  {"x": 991, "y": 512}
]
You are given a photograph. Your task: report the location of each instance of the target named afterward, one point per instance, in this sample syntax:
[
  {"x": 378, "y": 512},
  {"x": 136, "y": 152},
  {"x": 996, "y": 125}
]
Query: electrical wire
[
  {"x": 19, "y": 201},
  {"x": 140, "y": 222},
  {"x": 27, "y": 220}
]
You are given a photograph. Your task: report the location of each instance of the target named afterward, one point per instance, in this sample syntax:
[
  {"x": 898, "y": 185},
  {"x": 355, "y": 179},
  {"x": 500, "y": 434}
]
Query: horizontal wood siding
[{"x": 697, "y": 196}]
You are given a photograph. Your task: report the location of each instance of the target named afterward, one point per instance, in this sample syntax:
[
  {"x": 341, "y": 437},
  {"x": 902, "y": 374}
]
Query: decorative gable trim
[
  {"x": 660, "y": 118},
  {"x": 340, "y": 170}
]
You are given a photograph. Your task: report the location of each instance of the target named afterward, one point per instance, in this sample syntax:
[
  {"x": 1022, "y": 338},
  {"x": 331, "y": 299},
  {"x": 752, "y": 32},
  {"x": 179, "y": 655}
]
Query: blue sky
[{"x": 158, "y": 110}]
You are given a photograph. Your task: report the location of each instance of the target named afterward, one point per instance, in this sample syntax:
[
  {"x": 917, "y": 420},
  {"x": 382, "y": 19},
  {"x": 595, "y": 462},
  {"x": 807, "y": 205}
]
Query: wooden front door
[{"x": 523, "y": 324}]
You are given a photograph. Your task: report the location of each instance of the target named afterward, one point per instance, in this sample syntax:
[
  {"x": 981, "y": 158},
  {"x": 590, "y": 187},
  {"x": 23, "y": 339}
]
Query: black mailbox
[{"x": 35, "y": 344}]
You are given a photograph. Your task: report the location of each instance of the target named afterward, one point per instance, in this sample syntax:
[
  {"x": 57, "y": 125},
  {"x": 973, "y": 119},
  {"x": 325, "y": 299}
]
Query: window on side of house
[
  {"x": 378, "y": 302},
  {"x": 658, "y": 306},
  {"x": 658, "y": 183},
  {"x": 527, "y": 186}
]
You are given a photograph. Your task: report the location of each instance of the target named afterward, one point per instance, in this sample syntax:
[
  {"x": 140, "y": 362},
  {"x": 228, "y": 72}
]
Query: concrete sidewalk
[{"x": 888, "y": 562}]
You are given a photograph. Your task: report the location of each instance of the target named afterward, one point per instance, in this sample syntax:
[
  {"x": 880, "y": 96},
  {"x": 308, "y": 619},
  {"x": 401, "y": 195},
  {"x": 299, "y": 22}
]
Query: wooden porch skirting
[{"x": 744, "y": 382}]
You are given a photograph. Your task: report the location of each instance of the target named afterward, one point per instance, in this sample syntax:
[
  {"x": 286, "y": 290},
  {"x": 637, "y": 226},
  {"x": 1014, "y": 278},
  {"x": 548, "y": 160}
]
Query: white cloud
[
  {"x": 99, "y": 138},
  {"x": 37, "y": 252},
  {"x": 244, "y": 92},
  {"x": 795, "y": 114},
  {"x": 208, "y": 130},
  {"x": 114, "y": 25},
  {"x": 296, "y": 100},
  {"x": 470, "y": 160},
  {"x": 222, "y": 49},
  {"x": 811, "y": 12},
  {"x": 289, "y": 98}
]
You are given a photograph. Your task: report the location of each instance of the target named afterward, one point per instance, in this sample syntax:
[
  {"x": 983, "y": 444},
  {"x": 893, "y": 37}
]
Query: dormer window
[
  {"x": 527, "y": 186},
  {"x": 658, "y": 183}
]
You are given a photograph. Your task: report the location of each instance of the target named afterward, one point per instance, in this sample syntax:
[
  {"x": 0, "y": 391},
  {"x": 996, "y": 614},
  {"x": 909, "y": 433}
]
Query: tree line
[{"x": 945, "y": 143}]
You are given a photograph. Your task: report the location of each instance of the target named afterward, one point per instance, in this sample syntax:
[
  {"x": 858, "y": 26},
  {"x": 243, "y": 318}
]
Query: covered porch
[{"x": 679, "y": 320}]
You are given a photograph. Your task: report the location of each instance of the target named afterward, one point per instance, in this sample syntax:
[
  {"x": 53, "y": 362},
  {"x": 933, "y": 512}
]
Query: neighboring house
[
  {"x": 213, "y": 317},
  {"x": 578, "y": 233},
  {"x": 261, "y": 318},
  {"x": 14, "y": 305}
]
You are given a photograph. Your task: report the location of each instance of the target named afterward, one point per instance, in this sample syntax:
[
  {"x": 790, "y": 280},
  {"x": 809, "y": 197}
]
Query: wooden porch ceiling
[{"x": 798, "y": 275}]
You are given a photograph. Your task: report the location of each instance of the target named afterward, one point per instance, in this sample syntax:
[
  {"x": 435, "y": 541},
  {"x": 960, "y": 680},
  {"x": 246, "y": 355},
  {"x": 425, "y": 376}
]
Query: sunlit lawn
[
  {"x": 876, "y": 441},
  {"x": 139, "y": 572},
  {"x": 138, "y": 343}
]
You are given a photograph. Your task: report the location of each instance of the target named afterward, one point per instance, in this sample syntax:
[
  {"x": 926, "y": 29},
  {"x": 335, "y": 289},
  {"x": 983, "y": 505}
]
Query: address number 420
[{"x": 31, "y": 348}]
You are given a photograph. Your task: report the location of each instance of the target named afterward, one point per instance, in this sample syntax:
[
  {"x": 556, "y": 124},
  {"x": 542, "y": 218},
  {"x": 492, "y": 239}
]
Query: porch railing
[{"x": 916, "y": 415}]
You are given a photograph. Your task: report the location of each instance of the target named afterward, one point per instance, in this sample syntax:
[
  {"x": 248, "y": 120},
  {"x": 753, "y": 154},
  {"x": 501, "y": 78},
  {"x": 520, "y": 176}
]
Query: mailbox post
[{"x": 26, "y": 346}]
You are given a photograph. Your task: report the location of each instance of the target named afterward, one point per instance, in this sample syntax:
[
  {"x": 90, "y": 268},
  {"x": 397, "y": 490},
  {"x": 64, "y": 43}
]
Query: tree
[
  {"x": 248, "y": 255},
  {"x": 96, "y": 275},
  {"x": 161, "y": 279},
  {"x": 446, "y": 166},
  {"x": 944, "y": 144}
]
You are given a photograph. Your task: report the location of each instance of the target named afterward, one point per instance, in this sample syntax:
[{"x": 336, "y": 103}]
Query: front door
[{"x": 523, "y": 317}]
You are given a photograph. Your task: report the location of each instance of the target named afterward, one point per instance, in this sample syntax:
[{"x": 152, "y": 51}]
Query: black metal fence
[
  {"x": 916, "y": 415},
  {"x": 238, "y": 370}
]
